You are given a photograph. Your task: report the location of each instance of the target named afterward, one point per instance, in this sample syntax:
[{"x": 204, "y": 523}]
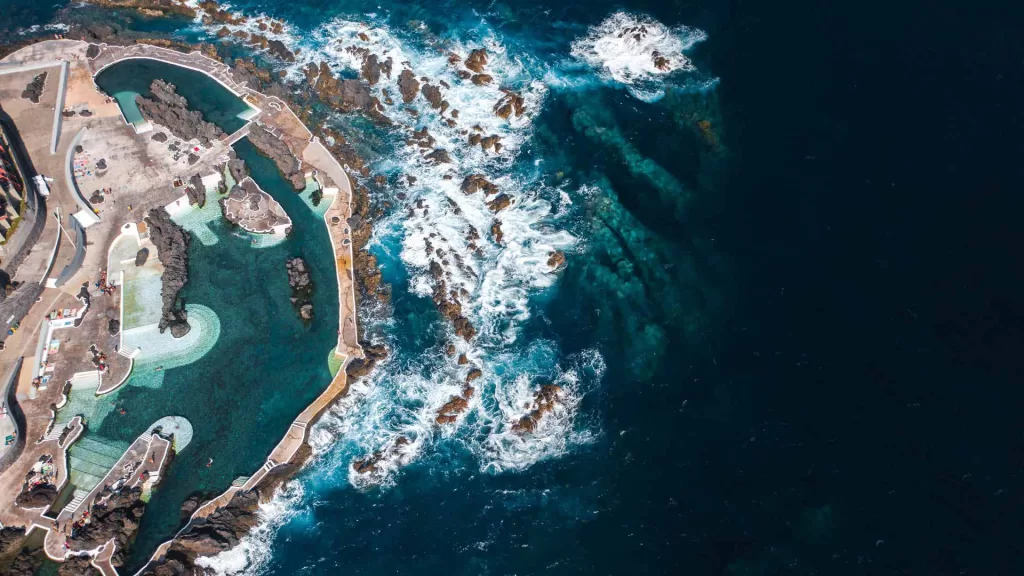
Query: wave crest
[{"x": 637, "y": 51}]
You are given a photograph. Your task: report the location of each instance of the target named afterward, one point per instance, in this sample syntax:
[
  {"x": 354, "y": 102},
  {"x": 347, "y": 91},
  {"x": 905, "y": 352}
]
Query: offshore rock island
[{"x": 185, "y": 168}]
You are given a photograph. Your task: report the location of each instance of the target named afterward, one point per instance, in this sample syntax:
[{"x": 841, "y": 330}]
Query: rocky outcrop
[
  {"x": 171, "y": 243},
  {"x": 25, "y": 563},
  {"x": 660, "y": 62},
  {"x": 450, "y": 410},
  {"x": 433, "y": 95},
  {"x": 214, "y": 14},
  {"x": 11, "y": 538},
  {"x": 448, "y": 304},
  {"x": 170, "y": 110},
  {"x": 545, "y": 401},
  {"x": 348, "y": 95},
  {"x": 556, "y": 259},
  {"x": 237, "y": 168},
  {"x": 408, "y": 86},
  {"x": 511, "y": 104},
  {"x": 476, "y": 60},
  {"x": 38, "y": 496},
  {"x": 486, "y": 142},
  {"x": 373, "y": 67},
  {"x": 117, "y": 518},
  {"x": 151, "y": 7},
  {"x": 34, "y": 89},
  {"x": 421, "y": 138},
  {"x": 496, "y": 232},
  {"x": 277, "y": 150},
  {"x": 372, "y": 463},
  {"x": 279, "y": 50},
  {"x": 302, "y": 287},
  {"x": 474, "y": 182},
  {"x": 492, "y": 141},
  {"x": 500, "y": 202},
  {"x": 372, "y": 355},
  {"x": 254, "y": 210},
  {"x": 439, "y": 156},
  {"x": 481, "y": 79},
  {"x": 196, "y": 190},
  {"x": 219, "y": 531},
  {"x": 249, "y": 72}
]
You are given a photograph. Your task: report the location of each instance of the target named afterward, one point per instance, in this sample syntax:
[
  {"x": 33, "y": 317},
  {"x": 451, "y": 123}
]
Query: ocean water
[{"x": 788, "y": 324}]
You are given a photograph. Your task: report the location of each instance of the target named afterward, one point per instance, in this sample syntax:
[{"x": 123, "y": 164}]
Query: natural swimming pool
[
  {"x": 127, "y": 79},
  {"x": 253, "y": 369}
]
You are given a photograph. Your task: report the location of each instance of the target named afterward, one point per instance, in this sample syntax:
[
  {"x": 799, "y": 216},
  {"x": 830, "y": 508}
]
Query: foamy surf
[
  {"x": 637, "y": 51},
  {"x": 253, "y": 552}
]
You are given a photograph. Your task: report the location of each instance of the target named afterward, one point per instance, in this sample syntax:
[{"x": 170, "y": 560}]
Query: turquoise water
[
  {"x": 130, "y": 78},
  {"x": 251, "y": 370}
]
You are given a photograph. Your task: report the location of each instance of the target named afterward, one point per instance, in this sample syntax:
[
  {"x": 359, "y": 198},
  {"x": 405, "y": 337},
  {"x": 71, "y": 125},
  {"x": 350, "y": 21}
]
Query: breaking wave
[
  {"x": 253, "y": 552},
  {"x": 638, "y": 52}
]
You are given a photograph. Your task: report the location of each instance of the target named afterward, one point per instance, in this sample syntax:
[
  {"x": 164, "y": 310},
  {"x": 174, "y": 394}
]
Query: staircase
[
  {"x": 76, "y": 501},
  {"x": 54, "y": 434},
  {"x": 128, "y": 351}
]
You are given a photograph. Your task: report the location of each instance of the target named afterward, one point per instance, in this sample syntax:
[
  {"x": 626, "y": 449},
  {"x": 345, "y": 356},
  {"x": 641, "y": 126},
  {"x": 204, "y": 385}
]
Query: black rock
[
  {"x": 408, "y": 85},
  {"x": 196, "y": 190},
  {"x": 237, "y": 168},
  {"x": 141, "y": 256},
  {"x": 302, "y": 287},
  {"x": 34, "y": 89},
  {"x": 274, "y": 148},
  {"x": 169, "y": 109},
  {"x": 277, "y": 48},
  {"x": 172, "y": 244}
]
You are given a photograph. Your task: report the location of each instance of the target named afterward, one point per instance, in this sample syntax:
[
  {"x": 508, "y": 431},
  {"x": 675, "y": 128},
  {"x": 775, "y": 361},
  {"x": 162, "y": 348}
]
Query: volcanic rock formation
[
  {"x": 277, "y": 150},
  {"x": 169, "y": 109},
  {"x": 171, "y": 243}
]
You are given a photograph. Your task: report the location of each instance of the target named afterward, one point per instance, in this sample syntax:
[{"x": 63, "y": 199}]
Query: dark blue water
[{"x": 800, "y": 280}]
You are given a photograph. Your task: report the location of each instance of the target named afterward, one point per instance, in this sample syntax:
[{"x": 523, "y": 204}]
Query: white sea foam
[
  {"x": 254, "y": 550},
  {"x": 628, "y": 48},
  {"x": 287, "y": 34}
]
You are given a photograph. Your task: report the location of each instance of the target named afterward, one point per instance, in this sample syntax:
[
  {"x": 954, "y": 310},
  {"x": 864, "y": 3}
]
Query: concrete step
[
  {"x": 128, "y": 351},
  {"x": 54, "y": 434},
  {"x": 76, "y": 502}
]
